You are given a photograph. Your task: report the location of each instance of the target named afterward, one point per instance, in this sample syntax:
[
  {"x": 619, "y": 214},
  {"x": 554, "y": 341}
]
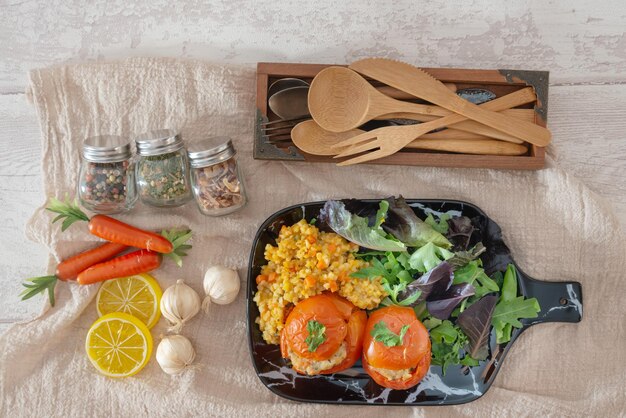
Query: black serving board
[{"x": 559, "y": 301}]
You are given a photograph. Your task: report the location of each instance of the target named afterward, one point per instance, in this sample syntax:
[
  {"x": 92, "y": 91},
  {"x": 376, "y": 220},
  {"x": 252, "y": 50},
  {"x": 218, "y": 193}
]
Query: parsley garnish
[
  {"x": 383, "y": 334},
  {"x": 317, "y": 334}
]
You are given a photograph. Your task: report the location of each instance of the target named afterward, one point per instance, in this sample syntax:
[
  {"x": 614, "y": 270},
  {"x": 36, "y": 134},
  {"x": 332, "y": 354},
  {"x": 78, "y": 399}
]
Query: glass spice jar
[
  {"x": 106, "y": 182},
  {"x": 162, "y": 169},
  {"x": 215, "y": 176}
]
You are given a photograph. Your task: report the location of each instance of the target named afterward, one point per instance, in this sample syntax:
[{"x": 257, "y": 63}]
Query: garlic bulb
[
  {"x": 179, "y": 304},
  {"x": 174, "y": 354},
  {"x": 221, "y": 286}
]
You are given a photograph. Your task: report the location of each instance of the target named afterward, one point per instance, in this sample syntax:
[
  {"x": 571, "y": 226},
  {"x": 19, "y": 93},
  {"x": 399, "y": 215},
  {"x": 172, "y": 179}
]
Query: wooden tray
[{"x": 501, "y": 82}]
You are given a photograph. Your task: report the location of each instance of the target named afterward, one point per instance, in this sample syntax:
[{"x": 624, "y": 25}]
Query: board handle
[{"x": 559, "y": 301}]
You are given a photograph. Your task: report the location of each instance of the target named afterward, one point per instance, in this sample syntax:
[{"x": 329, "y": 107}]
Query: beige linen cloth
[{"x": 557, "y": 229}]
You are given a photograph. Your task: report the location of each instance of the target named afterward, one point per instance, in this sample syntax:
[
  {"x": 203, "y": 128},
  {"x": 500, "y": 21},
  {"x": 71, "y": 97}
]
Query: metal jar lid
[
  {"x": 210, "y": 151},
  {"x": 158, "y": 142},
  {"x": 106, "y": 149}
]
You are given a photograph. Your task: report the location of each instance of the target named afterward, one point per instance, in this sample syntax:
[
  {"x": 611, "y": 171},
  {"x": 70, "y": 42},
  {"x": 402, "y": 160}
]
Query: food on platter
[
  {"x": 323, "y": 334},
  {"x": 306, "y": 262},
  {"x": 396, "y": 349},
  {"x": 418, "y": 274}
]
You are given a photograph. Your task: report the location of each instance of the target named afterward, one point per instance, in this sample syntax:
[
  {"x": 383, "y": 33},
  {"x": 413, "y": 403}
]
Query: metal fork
[
  {"x": 383, "y": 142},
  {"x": 280, "y": 130}
]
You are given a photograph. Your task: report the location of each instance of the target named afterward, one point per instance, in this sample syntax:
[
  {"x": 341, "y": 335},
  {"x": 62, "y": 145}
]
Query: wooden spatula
[{"x": 421, "y": 84}]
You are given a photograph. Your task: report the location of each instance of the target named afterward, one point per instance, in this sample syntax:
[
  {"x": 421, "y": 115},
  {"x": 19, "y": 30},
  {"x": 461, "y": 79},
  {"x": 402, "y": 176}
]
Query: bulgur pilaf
[{"x": 307, "y": 262}]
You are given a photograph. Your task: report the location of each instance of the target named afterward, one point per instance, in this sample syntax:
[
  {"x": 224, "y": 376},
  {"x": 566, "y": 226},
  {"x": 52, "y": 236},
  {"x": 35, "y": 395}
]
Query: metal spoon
[
  {"x": 285, "y": 83},
  {"x": 290, "y": 103}
]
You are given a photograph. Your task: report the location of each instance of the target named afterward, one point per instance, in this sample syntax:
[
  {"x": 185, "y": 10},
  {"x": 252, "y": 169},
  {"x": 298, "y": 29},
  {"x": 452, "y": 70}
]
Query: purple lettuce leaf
[
  {"x": 475, "y": 322},
  {"x": 442, "y": 307},
  {"x": 460, "y": 231},
  {"x": 432, "y": 283}
]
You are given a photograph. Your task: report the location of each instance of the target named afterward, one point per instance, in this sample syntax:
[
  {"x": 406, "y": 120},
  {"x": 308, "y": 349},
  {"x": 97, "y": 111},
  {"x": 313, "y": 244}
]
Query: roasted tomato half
[
  {"x": 396, "y": 348},
  {"x": 323, "y": 334}
]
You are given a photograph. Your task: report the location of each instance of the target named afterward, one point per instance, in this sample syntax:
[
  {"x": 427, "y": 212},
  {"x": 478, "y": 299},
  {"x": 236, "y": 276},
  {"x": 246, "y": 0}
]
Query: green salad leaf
[
  {"x": 442, "y": 225},
  {"x": 473, "y": 274},
  {"x": 428, "y": 257},
  {"x": 383, "y": 334},
  {"x": 511, "y": 308},
  {"x": 445, "y": 332},
  {"x": 317, "y": 334},
  {"x": 392, "y": 268},
  {"x": 448, "y": 346}
]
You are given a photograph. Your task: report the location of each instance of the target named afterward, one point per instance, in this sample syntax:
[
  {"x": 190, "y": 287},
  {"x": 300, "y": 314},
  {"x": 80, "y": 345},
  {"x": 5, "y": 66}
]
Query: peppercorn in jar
[
  {"x": 162, "y": 169},
  {"x": 106, "y": 181},
  {"x": 216, "y": 178}
]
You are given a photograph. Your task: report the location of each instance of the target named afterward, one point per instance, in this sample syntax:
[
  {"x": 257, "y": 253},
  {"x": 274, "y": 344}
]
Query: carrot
[
  {"x": 309, "y": 281},
  {"x": 110, "y": 229},
  {"x": 140, "y": 261},
  {"x": 69, "y": 269},
  {"x": 116, "y": 231}
]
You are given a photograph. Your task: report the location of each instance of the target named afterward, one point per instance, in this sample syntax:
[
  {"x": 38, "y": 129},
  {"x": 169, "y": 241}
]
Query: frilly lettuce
[
  {"x": 357, "y": 230},
  {"x": 403, "y": 224},
  {"x": 428, "y": 257}
]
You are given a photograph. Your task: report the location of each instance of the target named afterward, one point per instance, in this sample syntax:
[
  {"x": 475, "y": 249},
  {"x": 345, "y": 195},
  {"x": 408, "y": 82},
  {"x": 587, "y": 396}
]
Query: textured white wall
[{"x": 578, "y": 40}]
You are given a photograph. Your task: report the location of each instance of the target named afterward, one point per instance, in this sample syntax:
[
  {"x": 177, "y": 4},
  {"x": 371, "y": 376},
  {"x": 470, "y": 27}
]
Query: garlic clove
[
  {"x": 175, "y": 354},
  {"x": 221, "y": 286},
  {"x": 179, "y": 304}
]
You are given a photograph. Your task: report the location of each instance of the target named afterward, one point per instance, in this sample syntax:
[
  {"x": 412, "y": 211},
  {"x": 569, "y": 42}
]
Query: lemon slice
[
  {"x": 118, "y": 345},
  {"x": 138, "y": 295}
]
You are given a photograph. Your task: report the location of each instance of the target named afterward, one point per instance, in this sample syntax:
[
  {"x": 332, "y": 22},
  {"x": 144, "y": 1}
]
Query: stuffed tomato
[
  {"x": 323, "y": 334},
  {"x": 396, "y": 348}
]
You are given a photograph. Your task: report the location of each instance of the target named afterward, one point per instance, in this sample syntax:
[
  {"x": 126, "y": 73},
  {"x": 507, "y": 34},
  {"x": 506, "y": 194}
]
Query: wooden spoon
[
  {"x": 340, "y": 100},
  {"x": 311, "y": 138}
]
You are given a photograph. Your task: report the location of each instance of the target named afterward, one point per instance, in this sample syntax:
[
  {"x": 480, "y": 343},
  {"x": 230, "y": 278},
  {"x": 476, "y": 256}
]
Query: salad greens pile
[{"x": 430, "y": 266}]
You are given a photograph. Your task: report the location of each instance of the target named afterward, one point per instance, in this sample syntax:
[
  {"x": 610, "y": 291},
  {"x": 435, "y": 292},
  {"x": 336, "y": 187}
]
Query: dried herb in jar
[{"x": 164, "y": 176}]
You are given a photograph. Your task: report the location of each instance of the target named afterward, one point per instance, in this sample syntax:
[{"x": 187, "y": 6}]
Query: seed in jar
[{"x": 102, "y": 185}]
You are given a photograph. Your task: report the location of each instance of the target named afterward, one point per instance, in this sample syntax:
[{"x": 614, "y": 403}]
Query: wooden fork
[{"x": 383, "y": 142}]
